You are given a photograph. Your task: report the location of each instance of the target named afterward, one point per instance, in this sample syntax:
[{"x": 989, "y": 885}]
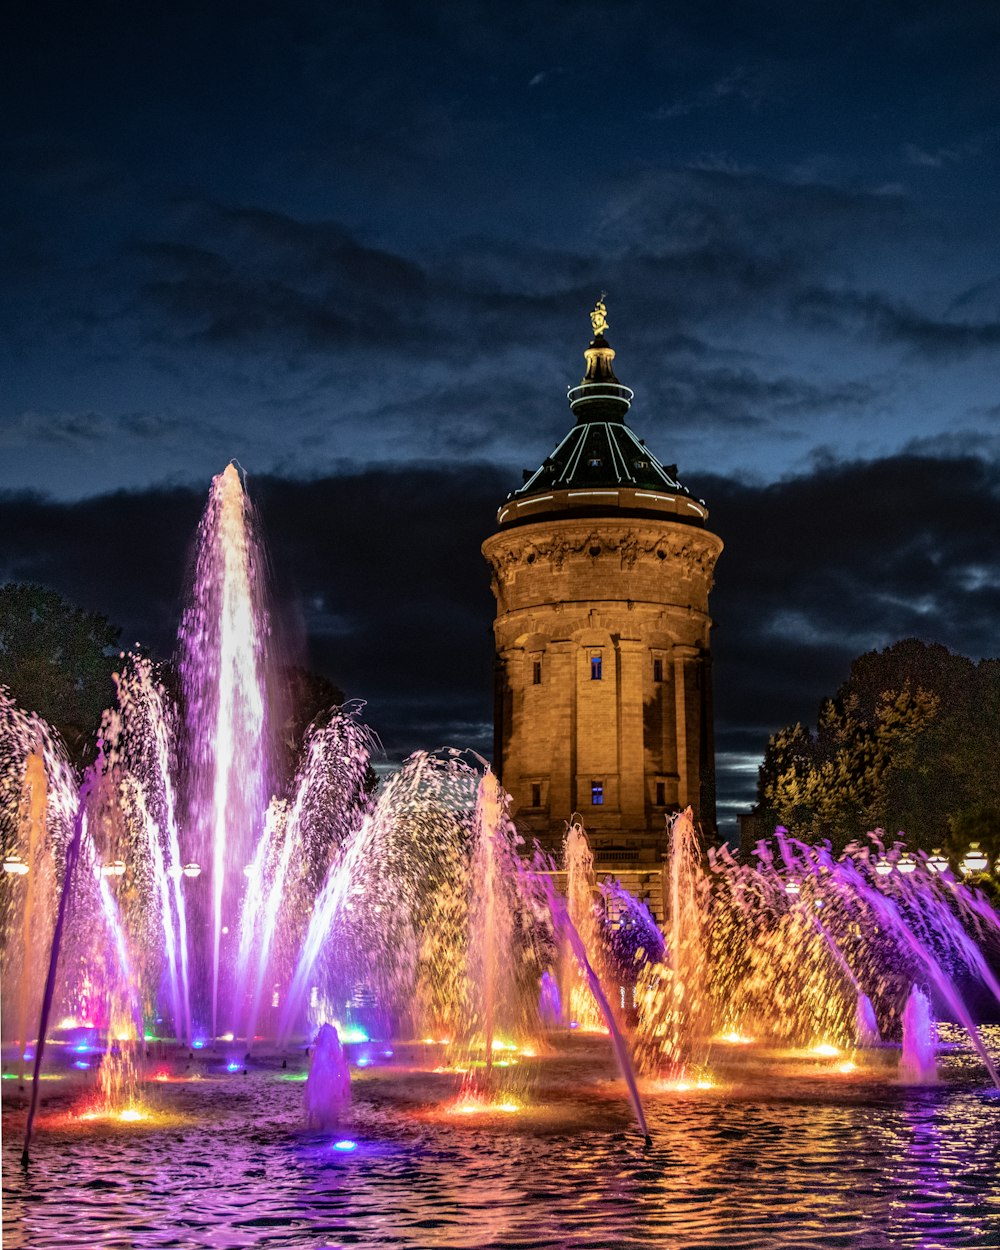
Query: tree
[
  {"x": 910, "y": 742},
  {"x": 57, "y": 660}
]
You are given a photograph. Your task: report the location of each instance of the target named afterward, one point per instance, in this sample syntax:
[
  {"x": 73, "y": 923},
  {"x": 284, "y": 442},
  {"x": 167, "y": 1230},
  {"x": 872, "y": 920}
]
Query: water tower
[{"x": 602, "y": 566}]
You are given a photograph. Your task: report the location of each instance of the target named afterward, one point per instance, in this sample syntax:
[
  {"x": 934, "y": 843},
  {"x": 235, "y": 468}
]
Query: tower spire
[{"x": 600, "y": 353}]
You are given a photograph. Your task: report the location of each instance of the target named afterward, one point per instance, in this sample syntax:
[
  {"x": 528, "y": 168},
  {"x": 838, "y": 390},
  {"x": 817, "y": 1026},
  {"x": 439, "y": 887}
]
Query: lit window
[
  {"x": 597, "y": 793},
  {"x": 536, "y": 795},
  {"x": 657, "y": 670},
  {"x": 595, "y": 462},
  {"x": 595, "y": 668},
  {"x": 661, "y": 794},
  {"x": 536, "y": 674}
]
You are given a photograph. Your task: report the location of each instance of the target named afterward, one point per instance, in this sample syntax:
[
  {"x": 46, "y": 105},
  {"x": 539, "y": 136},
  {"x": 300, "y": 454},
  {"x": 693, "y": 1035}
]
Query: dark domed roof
[{"x": 601, "y": 464}]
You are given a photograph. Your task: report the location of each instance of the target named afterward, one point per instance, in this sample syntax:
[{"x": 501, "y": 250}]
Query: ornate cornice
[{"x": 694, "y": 550}]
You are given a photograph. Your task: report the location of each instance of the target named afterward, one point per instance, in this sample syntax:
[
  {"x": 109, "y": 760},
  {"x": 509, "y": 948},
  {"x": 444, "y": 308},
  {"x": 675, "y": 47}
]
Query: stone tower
[{"x": 602, "y": 565}]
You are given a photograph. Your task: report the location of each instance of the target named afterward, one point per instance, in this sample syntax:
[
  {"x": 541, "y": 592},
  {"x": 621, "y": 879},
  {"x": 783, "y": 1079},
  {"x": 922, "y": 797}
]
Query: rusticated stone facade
[
  {"x": 602, "y": 568},
  {"x": 633, "y": 594}
]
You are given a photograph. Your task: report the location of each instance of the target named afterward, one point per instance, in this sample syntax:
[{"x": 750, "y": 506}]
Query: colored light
[
  {"x": 82, "y": 1064},
  {"x": 735, "y": 1039},
  {"x": 198, "y": 1043},
  {"x": 825, "y": 1050},
  {"x": 351, "y": 1033},
  {"x": 15, "y": 865},
  {"x": 131, "y": 1114},
  {"x": 364, "y": 1062},
  {"x": 232, "y": 1067},
  {"x": 345, "y": 1144}
]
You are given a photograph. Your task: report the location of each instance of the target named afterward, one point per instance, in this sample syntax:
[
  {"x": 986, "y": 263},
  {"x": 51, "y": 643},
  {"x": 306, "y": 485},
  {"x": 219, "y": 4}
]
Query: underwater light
[
  {"x": 352, "y": 1033},
  {"x": 364, "y": 1062},
  {"x": 131, "y": 1114},
  {"x": 225, "y": 1037},
  {"x": 825, "y": 1050},
  {"x": 735, "y": 1038},
  {"x": 345, "y": 1144},
  {"x": 846, "y": 1067},
  {"x": 82, "y": 1064},
  {"x": 198, "y": 1043},
  {"x": 232, "y": 1067}
]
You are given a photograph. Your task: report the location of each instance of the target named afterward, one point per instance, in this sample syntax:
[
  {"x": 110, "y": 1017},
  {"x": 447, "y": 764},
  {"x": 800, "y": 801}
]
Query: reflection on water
[{"x": 809, "y": 1161}]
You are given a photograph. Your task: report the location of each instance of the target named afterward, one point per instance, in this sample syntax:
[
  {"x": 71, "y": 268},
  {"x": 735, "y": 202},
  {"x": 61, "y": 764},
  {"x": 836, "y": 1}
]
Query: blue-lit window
[
  {"x": 595, "y": 668},
  {"x": 596, "y": 793}
]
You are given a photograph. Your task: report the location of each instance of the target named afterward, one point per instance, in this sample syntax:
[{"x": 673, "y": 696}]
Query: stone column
[
  {"x": 683, "y": 658},
  {"x": 631, "y": 755},
  {"x": 562, "y": 712}
]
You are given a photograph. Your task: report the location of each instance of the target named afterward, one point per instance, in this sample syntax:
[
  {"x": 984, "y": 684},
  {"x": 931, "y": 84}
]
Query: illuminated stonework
[{"x": 602, "y": 568}]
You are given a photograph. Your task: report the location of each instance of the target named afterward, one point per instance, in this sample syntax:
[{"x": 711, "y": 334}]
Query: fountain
[
  {"x": 917, "y": 1063},
  {"x": 328, "y": 1086},
  {"x": 208, "y": 917}
]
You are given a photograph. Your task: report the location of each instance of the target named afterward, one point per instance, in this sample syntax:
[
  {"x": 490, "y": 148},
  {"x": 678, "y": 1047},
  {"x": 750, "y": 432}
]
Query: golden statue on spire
[{"x": 599, "y": 317}]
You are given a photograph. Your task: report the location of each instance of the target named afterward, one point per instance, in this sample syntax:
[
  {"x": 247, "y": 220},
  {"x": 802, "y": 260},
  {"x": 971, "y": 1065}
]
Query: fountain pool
[{"x": 813, "y": 1158}]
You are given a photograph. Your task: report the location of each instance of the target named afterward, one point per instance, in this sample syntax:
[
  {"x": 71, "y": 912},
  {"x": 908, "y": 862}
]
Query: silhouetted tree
[
  {"x": 57, "y": 660},
  {"x": 910, "y": 742}
]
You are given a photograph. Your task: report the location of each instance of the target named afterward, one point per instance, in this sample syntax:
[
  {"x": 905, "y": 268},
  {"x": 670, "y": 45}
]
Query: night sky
[{"x": 354, "y": 247}]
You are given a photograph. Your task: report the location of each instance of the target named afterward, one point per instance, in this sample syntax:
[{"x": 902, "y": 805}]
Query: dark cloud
[{"x": 380, "y": 584}]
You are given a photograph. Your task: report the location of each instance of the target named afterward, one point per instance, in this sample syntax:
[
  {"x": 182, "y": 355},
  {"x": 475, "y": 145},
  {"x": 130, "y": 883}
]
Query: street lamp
[
  {"x": 15, "y": 865},
  {"x": 975, "y": 859},
  {"x": 936, "y": 861},
  {"x": 792, "y": 887},
  {"x": 115, "y": 869},
  {"x": 883, "y": 867},
  {"x": 191, "y": 870},
  {"x": 906, "y": 863}
]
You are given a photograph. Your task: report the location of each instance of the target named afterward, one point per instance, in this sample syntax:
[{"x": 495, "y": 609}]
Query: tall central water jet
[{"x": 222, "y": 669}]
